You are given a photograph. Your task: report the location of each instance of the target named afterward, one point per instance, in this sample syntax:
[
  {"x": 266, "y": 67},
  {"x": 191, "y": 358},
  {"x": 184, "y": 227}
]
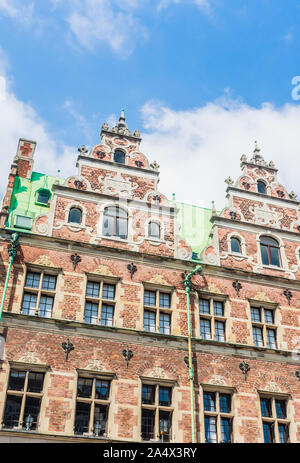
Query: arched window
[
  {"x": 269, "y": 251},
  {"x": 119, "y": 156},
  {"x": 75, "y": 215},
  {"x": 153, "y": 230},
  {"x": 43, "y": 196},
  {"x": 235, "y": 245},
  {"x": 115, "y": 222},
  {"x": 261, "y": 187}
]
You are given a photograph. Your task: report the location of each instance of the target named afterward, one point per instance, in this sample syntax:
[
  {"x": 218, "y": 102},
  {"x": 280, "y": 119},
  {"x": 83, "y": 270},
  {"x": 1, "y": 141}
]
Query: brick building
[{"x": 95, "y": 323}]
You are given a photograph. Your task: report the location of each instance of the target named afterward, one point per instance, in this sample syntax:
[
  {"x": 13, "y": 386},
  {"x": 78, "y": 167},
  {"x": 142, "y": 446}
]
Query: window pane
[
  {"x": 108, "y": 226},
  {"x": 283, "y": 431},
  {"x": 261, "y": 187},
  {"x": 107, "y": 315},
  {"x": 149, "y": 321},
  {"x": 46, "y": 305},
  {"x": 148, "y": 394},
  {"x": 255, "y": 315},
  {"x": 164, "y": 300},
  {"x": 31, "y": 413},
  {"x": 220, "y": 331},
  {"x": 49, "y": 282},
  {"x": 84, "y": 387},
  {"x": 121, "y": 228},
  {"x": 210, "y": 429},
  {"x": 148, "y": 417},
  {"x": 266, "y": 407},
  {"x": 280, "y": 409},
  {"x": 16, "y": 380},
  {"x": 100, "y": 419},
  {"x": 108, "y": 291},
  {"x": 29, "y": 304},
  {"x": 43, "y": 197},
  {"x": 271, "y": 336},
  {"x": 102, "y": 389},
  {"x": 209, "y": 399},
  {"x": 235, "y": 245},
  {"x": 164, "y": 323},
  {"x": 149, "y": 298},
  {"x": 275, "y": 257},
  {"x": 32, "y": 280},
  {"x": 205, "y": 331},
  {"x": 226, "y": 427},
  {"x": 268, "y": 241},
  {"x": 12, "y": 411},
  {"x": 35, "y": 382},
  {"x": 258, "y": 336},
  {"x": 82, "y": 418},
  {"x": 225, "y": 403},
  {"x": 91, "y": 312},
  {"x": 75, "y": 215},
  {"x": 219, "y": 308},
  {"x": 92, "y": 289},
  {"x": 119, "y": 157},
  {"x": 268, "y": 433},
  {"x": 164, "y": 426},
  {"x": 204, "y": 306},
  {"x": 269, "y": 316},
  {"x": 164, "y": 396},
  {"x": 264, "y": 255}
]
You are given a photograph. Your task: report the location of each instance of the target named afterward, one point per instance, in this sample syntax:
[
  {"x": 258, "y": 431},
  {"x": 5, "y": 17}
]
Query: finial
[
  {"x": 122, "y": 117},
  {"x": 213, "y": 208},
  {"x": 173, "y": 196},
  {"x": 256, "y": 148}
]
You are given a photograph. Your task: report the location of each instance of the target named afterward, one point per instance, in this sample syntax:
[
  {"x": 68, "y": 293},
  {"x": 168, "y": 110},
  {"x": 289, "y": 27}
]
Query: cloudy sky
[{"x": 201, "y": 80}]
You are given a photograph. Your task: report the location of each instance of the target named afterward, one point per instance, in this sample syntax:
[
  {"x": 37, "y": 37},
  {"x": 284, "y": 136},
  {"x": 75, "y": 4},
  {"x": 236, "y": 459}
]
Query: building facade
[{"x": 95, "y": 324}]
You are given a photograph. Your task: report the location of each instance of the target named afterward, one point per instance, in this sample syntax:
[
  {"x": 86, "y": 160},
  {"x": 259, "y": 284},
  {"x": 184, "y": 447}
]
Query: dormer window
[
  {"x": 119, "y": 156},
  {"x": 261, "y": 187},
  {"x": 75, "y": 215},
  {"x": 269, "y": 251},
  {"x": 43, "y": 196},
  {"x": 235, "y": 245},
  {"x": 153, "y": 230}
]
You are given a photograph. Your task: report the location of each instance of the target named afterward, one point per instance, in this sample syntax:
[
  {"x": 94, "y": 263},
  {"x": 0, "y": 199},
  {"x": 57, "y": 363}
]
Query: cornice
[
  {"x": 119, "y": 166},
  {"x": 262, "y": 196}
]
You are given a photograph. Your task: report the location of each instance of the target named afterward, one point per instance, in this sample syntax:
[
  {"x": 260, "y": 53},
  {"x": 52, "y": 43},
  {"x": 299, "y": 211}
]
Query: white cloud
[
  {"x": 198, "y": 148},
  {"x": 203, "y": 4},
  {"x": 20, "y": 120},
  {"x": 21, "y": 10}
]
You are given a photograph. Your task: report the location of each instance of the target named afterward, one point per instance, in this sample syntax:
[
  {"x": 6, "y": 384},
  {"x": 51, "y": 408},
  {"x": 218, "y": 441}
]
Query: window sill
[{"x": 42, "y": 204}]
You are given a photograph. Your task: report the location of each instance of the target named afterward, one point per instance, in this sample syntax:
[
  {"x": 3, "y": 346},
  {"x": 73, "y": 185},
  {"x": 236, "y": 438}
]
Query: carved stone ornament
[
  {"x": 43, "y": 260},
  {"x": 229, "y": 181},
  {"x": 105, "y": 126},
  {"x": 78, "y": 184},
  {"x": 155, "y": 165},
  {"x": 82, "y": 150},
  {"x": 293, "y": 196}
]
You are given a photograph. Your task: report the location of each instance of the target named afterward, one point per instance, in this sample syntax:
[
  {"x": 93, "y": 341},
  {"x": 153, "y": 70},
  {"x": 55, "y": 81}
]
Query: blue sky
[{"x": 201, "y": 79}]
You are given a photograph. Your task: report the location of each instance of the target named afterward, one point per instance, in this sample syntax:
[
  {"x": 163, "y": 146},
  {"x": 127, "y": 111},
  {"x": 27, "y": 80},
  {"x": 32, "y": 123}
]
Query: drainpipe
[
  {"x": 188, "y": 284},
  {"x": 12, "y": 252}
]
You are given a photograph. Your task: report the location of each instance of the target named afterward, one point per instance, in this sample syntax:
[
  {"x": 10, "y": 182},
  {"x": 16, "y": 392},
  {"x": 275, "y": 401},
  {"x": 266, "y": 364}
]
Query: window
[
  {"x": 115, "y": 222},
  {"x": 235, "y": 245},
  {"x": 39, "y": 294},
  {"x": 119, "y": 156},
  {"x": 92, "y": 406},
  {"x": 43, "y": 196},
  {"x": 100, "y": 303},
  {"x": 269, "y": 251},
  {"x": 263, "y": 327},
  {"x": 218, "y": 417},
  {"x": 153, "y": 230},
  {"x": 156, "y": 412},
  {"x": 23, "y": 400},
  {"x": 157, "y": 311},
  {"x": 75, "y": 215},
  {"x": 274, "y": 419},
  {"x": 212, "y": 320},
  {"x": 261, "y": 187}
]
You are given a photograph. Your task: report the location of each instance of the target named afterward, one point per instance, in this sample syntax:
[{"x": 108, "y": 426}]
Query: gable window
[
  {"x": 153, "y": 230},
  {"x": 75, "y": 215},
  {"x": 23, "y": 400},
  {"x": 269, "y": 251},
  {"x": 43, "y": 196},
  {"x": 119, "y": 156},
  {"x": 261, "y": 187},
  {"x": 92, "y": 406},
  {"x": 274, "y": 419},
  {"x": 235, "y": 245},
  {"x": 156, "y": 412},
  {"x": 115, "y": 222},
  {"x": 39, "y": 294}
]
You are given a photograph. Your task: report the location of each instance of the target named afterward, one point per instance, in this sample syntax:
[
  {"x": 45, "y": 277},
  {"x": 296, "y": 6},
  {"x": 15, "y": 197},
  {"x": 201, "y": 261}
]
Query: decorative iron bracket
[
  {"x": 297, "y": 374},
  {"x": 288, "y": 294},
  {"x": 132, "y": 269},
  {"x": 244, "y": 367},
  {"x": 237, "y": 286},
  {"x": 67, "y": 347},
  {"x": 127, "y": 354},
  {"x": 75, "y": 258}
]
